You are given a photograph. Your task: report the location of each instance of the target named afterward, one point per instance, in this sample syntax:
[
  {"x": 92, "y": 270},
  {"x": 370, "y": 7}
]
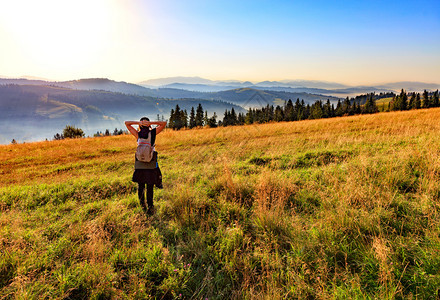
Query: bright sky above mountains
[{"x": 352, "y": 42}]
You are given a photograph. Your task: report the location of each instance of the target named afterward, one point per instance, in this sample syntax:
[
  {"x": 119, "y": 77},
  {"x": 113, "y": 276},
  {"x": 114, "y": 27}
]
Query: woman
[{"x": 146, "y": 173}]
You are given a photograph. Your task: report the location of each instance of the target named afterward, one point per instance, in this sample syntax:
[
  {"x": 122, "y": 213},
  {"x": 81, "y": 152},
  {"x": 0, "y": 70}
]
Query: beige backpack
[{"x": 144, "y": 151}]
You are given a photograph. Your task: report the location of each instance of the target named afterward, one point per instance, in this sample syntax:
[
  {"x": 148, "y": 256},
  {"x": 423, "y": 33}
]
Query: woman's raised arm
[
  {"x": 130, "y": 128},
  {"x": 160, "y": 125}
]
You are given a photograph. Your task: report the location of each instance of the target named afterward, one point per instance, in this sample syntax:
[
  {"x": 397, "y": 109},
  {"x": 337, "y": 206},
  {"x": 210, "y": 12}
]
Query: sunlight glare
[{"x": 60, "y": 34}]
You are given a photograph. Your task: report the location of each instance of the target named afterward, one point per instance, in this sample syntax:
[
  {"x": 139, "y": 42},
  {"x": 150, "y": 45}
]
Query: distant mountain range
[
  {"x": 98, "y": 84},
  {"x": 160, "y": 87},
  {"x": 37, "y": 112},
  {"x": 43, "y": 108},
  {"x": 235, "y": 83},
  {"x": 35, "y": 109},
  {"x": 244, "y": 97},
  {"x": 294, "y": 86},
  {"x": 411, "y": 86}
]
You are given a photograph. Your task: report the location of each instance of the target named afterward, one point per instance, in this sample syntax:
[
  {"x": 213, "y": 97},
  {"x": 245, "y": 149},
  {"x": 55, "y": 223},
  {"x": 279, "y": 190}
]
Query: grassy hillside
[
  {"x": 331, "y": 208},
  {"x": 382, "y": 104}
]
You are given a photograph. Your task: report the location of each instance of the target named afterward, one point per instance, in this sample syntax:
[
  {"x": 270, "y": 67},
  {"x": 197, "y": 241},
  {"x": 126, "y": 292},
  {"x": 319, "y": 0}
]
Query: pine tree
[
  {"x": 403, "y": 100},
  {"x": 418, "y": 101},
  {"x": 289, "y": 111},
  {"x": 393, "y": 103},
  {"x": 346, "y": 107},
  {"x": 205, "y": 118},
  {"x": 240, "y": 119},
  {"x": 176, "y": 118},
  {"x": 226, "y": 118},
  {"x": 184, "y": 118},
  {"x": 339, "y": 108},
  {"x": 435, "y": 101},
  {"x": 249, "y": 119},
  {"x": 397, "y": 103},
  {"x": 192, "y": 118},
  {"x": 271, "y": 113},
  {"x": 426, "y": 102},
  {"x": 412, "y": 101},
  {"x": 358, "y": 108},
  {"x": 58, "y": 136},
  {"x": 199, "y": 115},
  {"x": 233, "y": 117},
  {"x": 300, "y": 110},
  {"x": 316, "y": 111},
  {"x": 279, "y": 114},
  {"x": 212, "y": 122},
  {"x": 172, "y": 118},
  {"x": 305, "y": 112},
  {"x": 370, "y": 105},
  {"x": 327, "y": 109}
]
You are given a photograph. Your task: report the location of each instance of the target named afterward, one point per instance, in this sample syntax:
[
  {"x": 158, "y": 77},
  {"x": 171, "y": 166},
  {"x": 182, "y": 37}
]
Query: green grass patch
[{"x": 343, "y": 208}]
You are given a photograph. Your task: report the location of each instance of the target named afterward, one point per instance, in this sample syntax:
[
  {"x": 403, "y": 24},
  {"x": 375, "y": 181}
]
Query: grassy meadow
[
  {"x": 382, "y": 104},
  {"x": 331, "y": 208}
]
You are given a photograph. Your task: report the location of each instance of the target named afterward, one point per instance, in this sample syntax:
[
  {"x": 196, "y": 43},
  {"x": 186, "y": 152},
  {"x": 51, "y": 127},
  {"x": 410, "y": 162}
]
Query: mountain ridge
[
  {"x": 181, "y": 91},
  {"x": 199, "y": 84},
  {"x": 43, "y": 110}
]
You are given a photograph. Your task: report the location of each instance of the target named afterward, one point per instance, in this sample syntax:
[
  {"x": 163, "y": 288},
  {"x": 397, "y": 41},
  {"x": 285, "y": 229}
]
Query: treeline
[
  {"x": 71, "y": 132},
  {"x": 289, "y": 112},
  {"x": 298, "y": 110},
  {"x": 197, "y": 118},
  {"x": 108, "y": 133},
  {"x": 414, "y": 100}
]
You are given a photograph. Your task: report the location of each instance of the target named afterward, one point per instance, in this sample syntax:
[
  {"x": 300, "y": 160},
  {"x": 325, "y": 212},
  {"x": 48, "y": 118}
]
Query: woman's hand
[{"x": 145, "y": 123}]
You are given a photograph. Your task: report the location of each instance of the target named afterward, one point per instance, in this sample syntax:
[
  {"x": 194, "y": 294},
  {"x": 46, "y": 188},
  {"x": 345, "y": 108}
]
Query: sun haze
[
  {"x": 347, "y": 41},
  {"x": 59, "y": 39}
]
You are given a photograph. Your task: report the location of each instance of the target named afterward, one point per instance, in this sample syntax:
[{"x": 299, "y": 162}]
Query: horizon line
[{"x": 36, "y": 78}]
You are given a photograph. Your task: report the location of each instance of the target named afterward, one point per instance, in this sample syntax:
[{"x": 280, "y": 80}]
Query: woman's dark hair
[
  {"x": 144, "y": 119},
  {"x": 144, "y": 130}
]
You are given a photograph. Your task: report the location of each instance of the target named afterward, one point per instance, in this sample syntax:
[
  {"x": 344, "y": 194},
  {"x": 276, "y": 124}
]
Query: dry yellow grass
[
  {"x": 331, "y": 208},
  {"x": 56, "y": 161}
]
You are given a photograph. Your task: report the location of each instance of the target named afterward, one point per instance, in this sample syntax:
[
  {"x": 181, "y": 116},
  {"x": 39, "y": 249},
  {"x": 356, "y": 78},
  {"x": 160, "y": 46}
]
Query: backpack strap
[{"x": 153, "y": 137}]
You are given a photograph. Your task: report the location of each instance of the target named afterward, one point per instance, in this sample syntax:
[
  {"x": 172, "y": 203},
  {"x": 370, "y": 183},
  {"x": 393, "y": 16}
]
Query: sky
[{"x": 350, "y": 42}]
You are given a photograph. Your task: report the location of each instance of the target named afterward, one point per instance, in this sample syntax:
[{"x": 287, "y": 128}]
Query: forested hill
[
  {"x": 99, "y": 84},
  {"x": 43, "y": 108},
  {"x": 247, "y": 97},
  {"x": 105, "y": 84},
  {"x": 36, "y": 112}
]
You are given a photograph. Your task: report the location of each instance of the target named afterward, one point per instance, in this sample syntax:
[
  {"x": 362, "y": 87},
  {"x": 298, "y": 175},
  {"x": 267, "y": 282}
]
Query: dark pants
[{"x": 141, "y": 194}]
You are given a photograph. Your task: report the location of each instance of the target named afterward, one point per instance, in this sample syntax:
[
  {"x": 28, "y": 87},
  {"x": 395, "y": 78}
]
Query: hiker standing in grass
[{"x": 146, "y": 168}]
